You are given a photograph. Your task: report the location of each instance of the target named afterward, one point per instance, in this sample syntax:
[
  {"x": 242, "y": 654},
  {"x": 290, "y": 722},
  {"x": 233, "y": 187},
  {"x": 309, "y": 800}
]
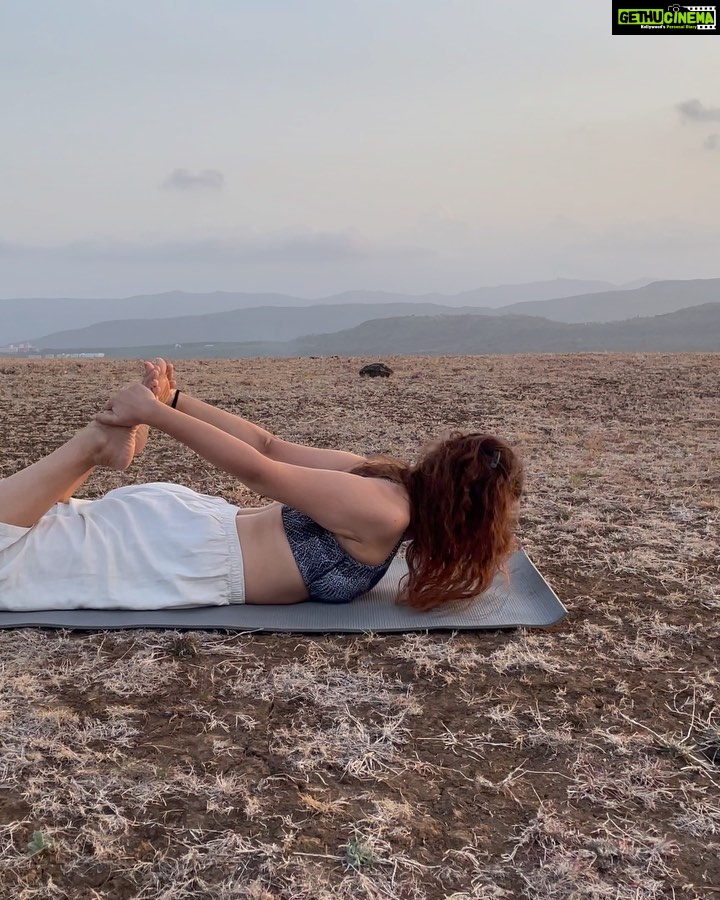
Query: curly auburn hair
[{"x": 463, "y": 492}]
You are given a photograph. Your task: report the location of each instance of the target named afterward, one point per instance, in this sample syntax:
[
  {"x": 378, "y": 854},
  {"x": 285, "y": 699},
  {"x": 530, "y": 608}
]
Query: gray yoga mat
[{"x": 528, "y": 600}]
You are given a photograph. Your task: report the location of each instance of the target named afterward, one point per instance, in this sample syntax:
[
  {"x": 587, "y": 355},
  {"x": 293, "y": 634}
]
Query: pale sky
[{"x": 315, "y": 146}]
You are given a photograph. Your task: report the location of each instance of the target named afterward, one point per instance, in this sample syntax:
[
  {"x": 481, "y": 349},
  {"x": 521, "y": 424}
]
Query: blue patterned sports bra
[{"x": 330, "y": 574}]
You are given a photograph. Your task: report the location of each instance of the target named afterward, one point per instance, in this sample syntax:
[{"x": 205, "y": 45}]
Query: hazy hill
[
  {"x": 25, "y": 319},
  {"x": 688, "y": 330},
  {"x": 278, "y": 323},
  {"x": 491, "y": 297},
  {"x": 257, "y": 324},
  {"x": 697, "y": 328},
  {"x": 649, "y": 300}
]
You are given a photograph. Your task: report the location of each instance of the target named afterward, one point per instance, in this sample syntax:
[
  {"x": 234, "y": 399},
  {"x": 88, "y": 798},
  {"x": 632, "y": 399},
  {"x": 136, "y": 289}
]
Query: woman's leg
[
  {"x": 141, "y": 437},
  {"x": 78, "y": 483},
  {"x": 27, "y": 495}
]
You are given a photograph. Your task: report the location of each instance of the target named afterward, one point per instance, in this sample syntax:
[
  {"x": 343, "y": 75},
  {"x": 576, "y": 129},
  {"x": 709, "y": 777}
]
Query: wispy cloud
[
  {"x": 562, "y": 223},
  {"x": 694, "y": 111},
  {"x": 712, "y": 142},
  {"x": 665, "y": 236},
  {"x": 185, "y": 180},
  {"x": 292, "y": 248}
]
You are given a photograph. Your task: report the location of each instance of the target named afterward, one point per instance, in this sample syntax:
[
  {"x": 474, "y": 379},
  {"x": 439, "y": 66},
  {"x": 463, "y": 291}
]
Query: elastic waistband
[{"x": 235, "y": 557}]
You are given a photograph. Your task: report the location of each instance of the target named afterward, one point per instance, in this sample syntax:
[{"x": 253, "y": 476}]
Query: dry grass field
[{"x": 578, "y": 762}]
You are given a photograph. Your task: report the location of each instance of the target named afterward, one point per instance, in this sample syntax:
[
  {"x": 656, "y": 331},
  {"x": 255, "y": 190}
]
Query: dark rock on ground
[{"x": 375, "y": 370}]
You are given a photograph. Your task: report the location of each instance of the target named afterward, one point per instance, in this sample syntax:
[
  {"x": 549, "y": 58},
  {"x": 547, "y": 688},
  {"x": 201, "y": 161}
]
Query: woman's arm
[
  {"x": 138, "y": 404},
  {"x": 160, "y": 379},
  {"x": 231, "y": 424},
  {"x": 343, "y": 503},
  {"x": 267, "y": 443},
  {"x": 339, "y": 501},
  {"x": 312, "y": 457}
]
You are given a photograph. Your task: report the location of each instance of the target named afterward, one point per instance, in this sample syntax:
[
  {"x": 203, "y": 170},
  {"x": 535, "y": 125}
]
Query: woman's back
[{"x": 288, "y": 556}]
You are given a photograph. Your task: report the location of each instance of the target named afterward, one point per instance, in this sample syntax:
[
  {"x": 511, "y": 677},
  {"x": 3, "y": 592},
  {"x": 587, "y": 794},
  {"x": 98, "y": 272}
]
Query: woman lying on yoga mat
[{"x": 336, "y": 524}]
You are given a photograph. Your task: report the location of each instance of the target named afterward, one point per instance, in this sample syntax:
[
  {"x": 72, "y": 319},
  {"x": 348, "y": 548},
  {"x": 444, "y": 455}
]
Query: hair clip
[{"x": 495, "y": 460}]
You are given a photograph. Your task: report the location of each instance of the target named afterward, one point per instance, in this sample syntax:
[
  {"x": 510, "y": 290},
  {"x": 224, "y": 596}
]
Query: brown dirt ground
[{"x": 578, "y": 762}]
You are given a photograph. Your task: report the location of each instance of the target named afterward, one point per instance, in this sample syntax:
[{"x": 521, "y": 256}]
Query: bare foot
[
  {"x": 114, "y": 445},
  {"x": 141, "y": 438},
  {"x": 160, "y": 378}
]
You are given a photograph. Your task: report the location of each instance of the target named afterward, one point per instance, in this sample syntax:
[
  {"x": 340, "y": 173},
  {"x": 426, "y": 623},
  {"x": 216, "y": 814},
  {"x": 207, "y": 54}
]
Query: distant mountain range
[
  {"x": 29, "y": 318},
  {"x": 694, "y": 329},
  {"x": 284, "y": 323}
]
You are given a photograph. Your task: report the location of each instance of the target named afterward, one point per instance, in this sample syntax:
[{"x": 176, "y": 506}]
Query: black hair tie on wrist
[{"x": 175, "y": 399}]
